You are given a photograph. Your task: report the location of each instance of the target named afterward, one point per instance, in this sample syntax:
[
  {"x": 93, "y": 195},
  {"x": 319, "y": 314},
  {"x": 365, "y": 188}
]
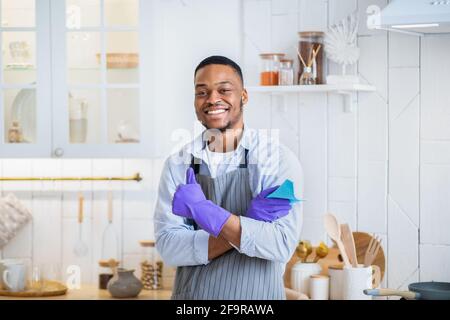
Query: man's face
[{"x": 219, "y": 97}]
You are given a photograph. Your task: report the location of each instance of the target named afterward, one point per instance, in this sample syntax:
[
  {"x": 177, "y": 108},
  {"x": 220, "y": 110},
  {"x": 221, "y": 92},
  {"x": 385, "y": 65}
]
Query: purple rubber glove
[
  {"x": 186, "y": 195},
  {"x": 209, "y": 216},
  {"x": 190, "y": 202},
  {"x": 268, "y": 210}
]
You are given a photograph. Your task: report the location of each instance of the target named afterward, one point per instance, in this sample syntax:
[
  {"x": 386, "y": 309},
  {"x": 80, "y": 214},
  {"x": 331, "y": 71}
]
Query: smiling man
[{"x": 213, "y": 219}]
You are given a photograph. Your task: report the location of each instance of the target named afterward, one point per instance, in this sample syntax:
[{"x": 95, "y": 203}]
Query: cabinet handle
[{"x": 59, "y": 152}]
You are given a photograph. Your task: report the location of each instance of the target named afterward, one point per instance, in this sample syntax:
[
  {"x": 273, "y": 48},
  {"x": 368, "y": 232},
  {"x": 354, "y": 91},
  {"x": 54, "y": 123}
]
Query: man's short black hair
[{"x": 223, "y": 61}]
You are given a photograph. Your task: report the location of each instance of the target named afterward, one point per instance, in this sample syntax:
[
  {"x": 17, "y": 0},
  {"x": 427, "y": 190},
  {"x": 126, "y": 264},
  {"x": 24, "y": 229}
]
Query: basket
[{"x": 120, "y": 60}]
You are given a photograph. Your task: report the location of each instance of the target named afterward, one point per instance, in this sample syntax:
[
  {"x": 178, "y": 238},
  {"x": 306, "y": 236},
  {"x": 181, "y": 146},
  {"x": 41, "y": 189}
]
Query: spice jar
[
  {"x": 151, "y": 266},
  {"x": 270, "y": 66},
  {"x": 106, "y": 272},
  {"x": 308, "y": 43},
  {"x": 286, "y": 76}
]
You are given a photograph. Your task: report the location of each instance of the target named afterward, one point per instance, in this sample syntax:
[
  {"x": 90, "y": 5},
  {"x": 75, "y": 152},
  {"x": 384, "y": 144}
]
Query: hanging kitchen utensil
[
  {"x": 333, "y": 229},
  {"x": 419, "y": 290},
  {"x": 349, "y": 243},
  {"x": 81, "y": 248},
  {"x": 110, "y": 241}
]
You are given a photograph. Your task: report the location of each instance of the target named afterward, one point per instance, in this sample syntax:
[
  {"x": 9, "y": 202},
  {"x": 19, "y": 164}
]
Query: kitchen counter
[{"x": 91, "y": 292}]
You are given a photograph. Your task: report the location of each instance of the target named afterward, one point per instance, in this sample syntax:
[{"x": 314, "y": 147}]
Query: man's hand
[
  {"x": 266, "y": 209},
  {"x": 187, "y": 195},
  {"x": 189, "y": 201}
]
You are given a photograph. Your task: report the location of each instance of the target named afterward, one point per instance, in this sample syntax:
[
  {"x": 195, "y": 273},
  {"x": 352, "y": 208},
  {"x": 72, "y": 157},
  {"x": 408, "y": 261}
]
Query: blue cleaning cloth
[{"x": 285, "y": 191}]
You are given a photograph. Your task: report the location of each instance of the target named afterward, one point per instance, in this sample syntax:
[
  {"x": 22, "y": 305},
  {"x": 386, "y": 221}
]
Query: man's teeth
[{"x": 216, "y": 111}]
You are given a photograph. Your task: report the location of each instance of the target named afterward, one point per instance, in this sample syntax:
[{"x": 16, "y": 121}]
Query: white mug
[
  {"x": 300, "y": 274},
  {"x": 3, "y": 264},
  {"x": 356, "y": 280},
  {"x": 13, "y": 276}
]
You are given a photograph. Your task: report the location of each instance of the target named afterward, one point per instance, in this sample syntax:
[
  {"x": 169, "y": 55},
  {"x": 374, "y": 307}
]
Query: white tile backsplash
[
  {"x": 404, "y": 88},
  {"x": 403, "y": 248},
  {"x": 135, "y": 230},
  {"x": 435, "y": 204},
  {"x": 344, "y": 211},
  {"x": 373, "y": 63},
  {"x": 404, "y": 50},
  {"x": 341, "y": 189},
  {"x": 404, "y": 160},
  {"x": 372, "y": 193},
  {"x": 313, "y": 15},
  {"x": 435, "y": 152},
  {"x": 435, "y": 99},
  {"x": 434, "y": 263}
]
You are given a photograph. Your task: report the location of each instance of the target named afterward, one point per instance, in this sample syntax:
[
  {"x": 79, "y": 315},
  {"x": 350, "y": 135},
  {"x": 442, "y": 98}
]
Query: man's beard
[{"x": 230, "y": 124}]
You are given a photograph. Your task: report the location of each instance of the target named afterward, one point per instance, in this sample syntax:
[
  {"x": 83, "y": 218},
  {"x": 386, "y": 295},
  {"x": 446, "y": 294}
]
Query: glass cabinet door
[
  {"x": 102, "y": 97},
  {"x": 25, "y": 100}
]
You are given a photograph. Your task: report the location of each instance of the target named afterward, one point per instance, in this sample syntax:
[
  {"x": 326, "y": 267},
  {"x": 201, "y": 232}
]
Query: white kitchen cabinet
[{"x": 84, "y": 88}]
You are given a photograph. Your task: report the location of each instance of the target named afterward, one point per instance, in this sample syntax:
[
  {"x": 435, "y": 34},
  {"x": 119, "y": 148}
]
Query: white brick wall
[{"x": 384, "y": 168}]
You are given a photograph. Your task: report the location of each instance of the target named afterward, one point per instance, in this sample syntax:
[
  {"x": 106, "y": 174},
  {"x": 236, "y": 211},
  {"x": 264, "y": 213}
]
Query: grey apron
[{"x": 232, "y": 276}]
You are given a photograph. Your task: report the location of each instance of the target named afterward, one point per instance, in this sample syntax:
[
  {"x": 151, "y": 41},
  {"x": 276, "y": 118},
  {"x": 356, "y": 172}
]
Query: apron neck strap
[{"x": 195, "y": 162}]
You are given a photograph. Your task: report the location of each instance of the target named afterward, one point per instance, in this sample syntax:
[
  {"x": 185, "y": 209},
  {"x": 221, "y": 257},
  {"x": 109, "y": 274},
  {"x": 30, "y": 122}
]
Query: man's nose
[{"x": 214, "y": 97}]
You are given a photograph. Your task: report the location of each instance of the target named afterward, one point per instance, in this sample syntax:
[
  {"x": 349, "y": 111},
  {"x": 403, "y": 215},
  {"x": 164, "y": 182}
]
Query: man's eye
[
  {"x": 200, "y": 94},
  {"x": 225, "y": 90}
]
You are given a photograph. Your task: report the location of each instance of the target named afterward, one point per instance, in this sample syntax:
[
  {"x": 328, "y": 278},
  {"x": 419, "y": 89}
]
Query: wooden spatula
[
  {"x": 349, "y": 244},
  {"x": 333, "y": 228}
]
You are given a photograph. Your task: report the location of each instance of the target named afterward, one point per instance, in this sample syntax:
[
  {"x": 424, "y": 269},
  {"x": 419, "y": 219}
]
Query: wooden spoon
[
  {"x": 349, "y": 244},
  {"x": 334, "y": 232}
]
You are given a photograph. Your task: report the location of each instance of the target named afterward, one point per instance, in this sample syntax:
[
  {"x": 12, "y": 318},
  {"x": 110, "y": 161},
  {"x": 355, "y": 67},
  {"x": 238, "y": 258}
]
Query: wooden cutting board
[
  {"x": 362, "y": 240},
  {"x": 51, "y": 288}
]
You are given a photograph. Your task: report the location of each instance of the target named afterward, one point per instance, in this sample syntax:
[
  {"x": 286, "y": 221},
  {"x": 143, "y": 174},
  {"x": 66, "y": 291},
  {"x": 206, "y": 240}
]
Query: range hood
[{"x": 412, "y": 16}]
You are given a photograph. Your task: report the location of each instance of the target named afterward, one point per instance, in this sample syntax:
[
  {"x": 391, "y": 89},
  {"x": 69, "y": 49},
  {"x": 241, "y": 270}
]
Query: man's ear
[{"x": 244, "y": 98}]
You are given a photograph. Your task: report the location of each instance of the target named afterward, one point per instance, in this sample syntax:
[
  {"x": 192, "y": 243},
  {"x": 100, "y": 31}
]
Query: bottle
[
  {"x": 151, "y": 266},
  {"x": 15, "y": 133},
  {"x": 270, "y": 67},
  {"x": 286, "y": 77},
  {"x": 309, "y": 41}
]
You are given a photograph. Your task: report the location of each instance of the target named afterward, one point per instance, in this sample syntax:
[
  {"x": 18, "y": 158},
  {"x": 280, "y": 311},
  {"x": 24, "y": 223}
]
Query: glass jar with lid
[
  {"x": 270, "y": 67},
  {"x": 309, "y": 42},
  {"x": 107, "y": 269},
  {"x": 286, "y": 76},
  {"x": 151, "y": 266}
]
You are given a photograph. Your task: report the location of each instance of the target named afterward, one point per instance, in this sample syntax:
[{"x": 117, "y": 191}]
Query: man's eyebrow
[
  {"x": 224, "y": 82},
  {"x": 216, "y": 84}
]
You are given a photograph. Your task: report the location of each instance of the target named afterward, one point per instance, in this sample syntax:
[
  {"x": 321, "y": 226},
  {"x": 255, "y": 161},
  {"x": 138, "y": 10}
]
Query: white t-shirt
[{"x": 215, "y": 159}]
